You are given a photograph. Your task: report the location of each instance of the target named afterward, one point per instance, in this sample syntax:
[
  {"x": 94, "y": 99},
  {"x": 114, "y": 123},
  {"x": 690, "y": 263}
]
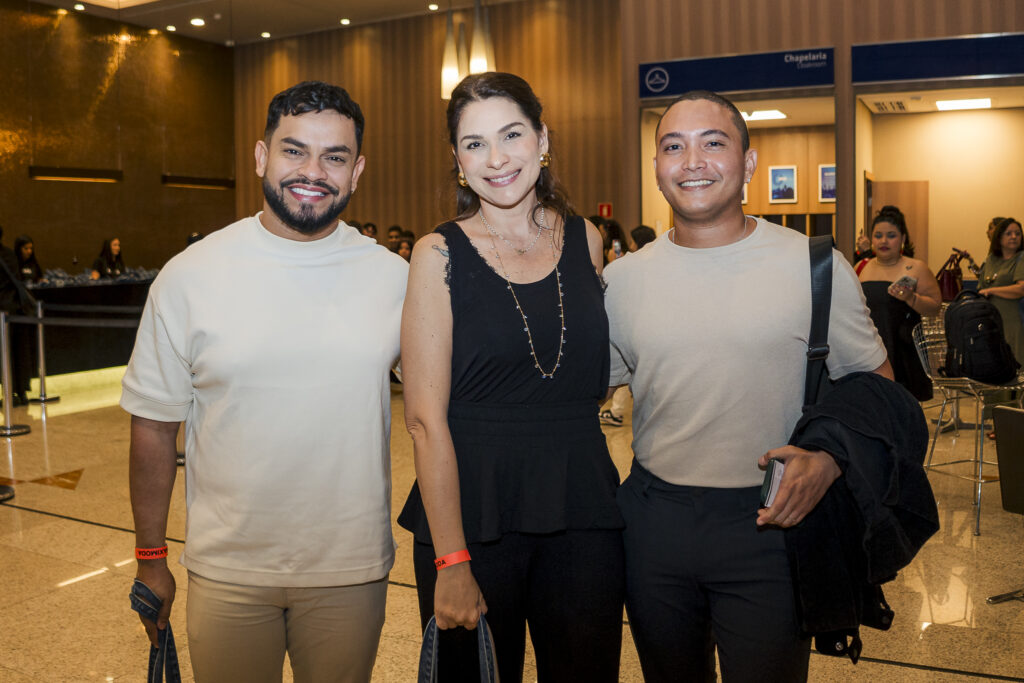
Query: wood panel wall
[
  {"x": 676, "y": 29},
  {"x": 568, "y": 50}
]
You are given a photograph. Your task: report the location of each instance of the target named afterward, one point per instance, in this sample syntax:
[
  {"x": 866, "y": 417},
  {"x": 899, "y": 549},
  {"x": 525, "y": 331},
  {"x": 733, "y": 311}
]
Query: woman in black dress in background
[
  {"x": 28, "y": 266},
  {"x": 504, "y": 359},
  {"x": 109, "y": 263},
  {"x": 896, "y": 308}
]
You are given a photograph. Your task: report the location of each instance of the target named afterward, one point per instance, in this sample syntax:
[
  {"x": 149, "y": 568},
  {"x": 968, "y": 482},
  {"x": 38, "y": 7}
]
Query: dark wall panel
[{"x": 88, "y": 92}]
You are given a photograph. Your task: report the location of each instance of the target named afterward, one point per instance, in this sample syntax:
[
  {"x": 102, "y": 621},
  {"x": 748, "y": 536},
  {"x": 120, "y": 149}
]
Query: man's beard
[{"x": 305, "y": 220}]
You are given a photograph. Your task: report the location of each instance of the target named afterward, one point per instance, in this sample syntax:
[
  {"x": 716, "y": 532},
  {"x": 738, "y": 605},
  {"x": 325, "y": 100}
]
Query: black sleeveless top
[
  {"x": 530, "y": 451},
  {"x": 895, "y": 321}
]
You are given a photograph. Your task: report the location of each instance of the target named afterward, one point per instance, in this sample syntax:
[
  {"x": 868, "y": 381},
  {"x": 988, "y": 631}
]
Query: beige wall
[
  {"x": 864, "y": 158},
  {"x": 677, "y": 29},
  {"x": 972, "y": 161}
]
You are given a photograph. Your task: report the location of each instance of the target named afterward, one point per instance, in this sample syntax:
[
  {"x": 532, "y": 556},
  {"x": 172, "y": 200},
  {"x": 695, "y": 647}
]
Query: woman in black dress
[
  {"x": 897, "y": 304},
  {"x": 110, "y": 262},
  {"x": 504, "y": 358},
  {"x": 28, "y": 266}
]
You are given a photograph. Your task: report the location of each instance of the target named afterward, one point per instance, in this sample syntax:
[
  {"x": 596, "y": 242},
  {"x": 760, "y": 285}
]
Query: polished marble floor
[{"x": 66, "y": 565}]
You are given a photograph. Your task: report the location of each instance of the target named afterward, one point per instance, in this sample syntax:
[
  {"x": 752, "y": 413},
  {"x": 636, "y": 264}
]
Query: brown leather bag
[{"x": 950, "y": 277}]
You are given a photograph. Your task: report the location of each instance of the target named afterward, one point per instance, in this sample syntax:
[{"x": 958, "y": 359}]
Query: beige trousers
[{"x": 241, "y": 633}]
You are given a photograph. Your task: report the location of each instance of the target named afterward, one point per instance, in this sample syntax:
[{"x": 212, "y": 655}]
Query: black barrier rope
[
  {"x": 72, "y": 322},
  {"x": 86, "y": 308}
]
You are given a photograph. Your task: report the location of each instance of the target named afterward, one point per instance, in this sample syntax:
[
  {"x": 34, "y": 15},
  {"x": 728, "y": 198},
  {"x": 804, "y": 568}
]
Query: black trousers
[
  {"x": 567, "y": 586},
  {"x": 700, "y": 574}
]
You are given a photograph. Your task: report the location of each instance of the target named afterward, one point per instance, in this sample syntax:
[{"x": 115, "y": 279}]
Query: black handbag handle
[
  {"x": 820, "y": 252},
  {"x": 485, "y": 650}
]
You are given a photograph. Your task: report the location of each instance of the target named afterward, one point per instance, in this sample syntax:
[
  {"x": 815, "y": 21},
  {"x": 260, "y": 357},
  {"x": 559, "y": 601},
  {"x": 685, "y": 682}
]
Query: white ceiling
[{"x": 242, "y": 21}]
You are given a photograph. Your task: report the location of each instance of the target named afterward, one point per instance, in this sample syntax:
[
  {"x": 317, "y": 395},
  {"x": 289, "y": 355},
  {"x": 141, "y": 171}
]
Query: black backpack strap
[{"x": 821, "y": 304}]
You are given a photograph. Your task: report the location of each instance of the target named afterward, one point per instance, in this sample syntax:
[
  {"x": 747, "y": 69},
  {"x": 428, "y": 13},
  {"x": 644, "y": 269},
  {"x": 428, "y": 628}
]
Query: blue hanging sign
[
  {"x": 921, "y": 60},
  {"x": 763, "y": 71}
]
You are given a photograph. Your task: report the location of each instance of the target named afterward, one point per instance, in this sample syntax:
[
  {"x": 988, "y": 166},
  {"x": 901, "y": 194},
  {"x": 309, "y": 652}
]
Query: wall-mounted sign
[
  {"x": 604, "y": 210},
  {"x": 920, "y": 60},
  {"x": 763, "y": 71}
]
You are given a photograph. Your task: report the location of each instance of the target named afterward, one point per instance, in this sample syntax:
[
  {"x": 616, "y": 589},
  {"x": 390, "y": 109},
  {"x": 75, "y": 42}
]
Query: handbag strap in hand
[
  {"x": 820, "y": 249},
  {"x": 485, "y": 650},
  {"x": 165, "y": 658}
]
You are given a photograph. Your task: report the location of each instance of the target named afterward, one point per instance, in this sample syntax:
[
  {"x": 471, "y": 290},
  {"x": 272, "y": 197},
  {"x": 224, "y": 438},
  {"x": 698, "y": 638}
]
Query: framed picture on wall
[
  {"x": 826, "y": 183},
  {"x": 745, "y": 192},
  {"x": 782, "y": 184}
]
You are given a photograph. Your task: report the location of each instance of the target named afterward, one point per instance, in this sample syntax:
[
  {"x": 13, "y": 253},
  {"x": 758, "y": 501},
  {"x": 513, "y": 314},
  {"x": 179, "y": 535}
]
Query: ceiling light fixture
[
  {"x": 154, "y": 31},
  {"x": 478, "y": 44},
  {"x": 172, "y": 28},
  {"x": 61, "y": 12},
  {"x": 450, "y": 75},
  {"x": 432, "y": 7},
  {"x": 763, "y": 115},
  {"x": 79, "y": 7},
  {"x": 265, "y": 34},
  {"x": 957, "y": 105},
  {"x": 345, "y": 22},
  {"x": 198, "y": 22}
]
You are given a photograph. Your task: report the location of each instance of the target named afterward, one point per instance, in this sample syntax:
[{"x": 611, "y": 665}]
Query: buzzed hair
[{"x": 737, "y": 117}]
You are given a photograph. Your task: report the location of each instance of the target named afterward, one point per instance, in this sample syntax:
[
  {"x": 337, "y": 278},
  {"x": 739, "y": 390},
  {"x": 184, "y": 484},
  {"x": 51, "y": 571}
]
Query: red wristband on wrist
[
  {"x": 151, "y": 553},
  {"x": 452, "y": 558}
]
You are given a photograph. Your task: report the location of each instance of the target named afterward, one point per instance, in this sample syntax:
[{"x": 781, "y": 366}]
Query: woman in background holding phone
[{"x": 899, "y": 290}]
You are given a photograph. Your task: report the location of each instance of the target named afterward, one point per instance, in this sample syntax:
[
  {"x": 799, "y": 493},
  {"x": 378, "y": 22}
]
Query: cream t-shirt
[
  {"x": 276, "y": 354},
  {"x": 713, "y": 343}
]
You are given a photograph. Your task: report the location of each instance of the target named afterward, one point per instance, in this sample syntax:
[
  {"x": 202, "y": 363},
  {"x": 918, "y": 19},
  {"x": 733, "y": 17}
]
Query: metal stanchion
[
  {"x": 43, "y": 398},
  {"x": 8, "y": 429}
]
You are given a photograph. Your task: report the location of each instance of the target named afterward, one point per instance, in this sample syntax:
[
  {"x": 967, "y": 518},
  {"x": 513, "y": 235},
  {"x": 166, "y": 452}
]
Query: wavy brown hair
[{"x": 551, "y": 195}]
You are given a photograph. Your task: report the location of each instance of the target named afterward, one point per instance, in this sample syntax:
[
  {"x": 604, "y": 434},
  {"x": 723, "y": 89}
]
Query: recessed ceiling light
[
  {"x": 154, "y": 31},
  {"x": 432, "y": 7},
  {"x": 197, "y": 22},
  {"x": 763, "y": 115},
  {"x": 172, "y": 28},
  {"x": 265, "y": 34},
  {"x": 125, "y": 38},
  {"x": 954, "y": 105},
  {"x": 79, "y": 7},
  {"x": 345, "y": 22},
  {"x": 62, "y": 12}
]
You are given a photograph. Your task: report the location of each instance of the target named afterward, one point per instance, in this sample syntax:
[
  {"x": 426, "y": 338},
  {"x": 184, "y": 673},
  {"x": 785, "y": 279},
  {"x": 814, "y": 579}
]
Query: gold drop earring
[
  {"x": 462, "y": 179},
  {"x": 545, "y": 160}
]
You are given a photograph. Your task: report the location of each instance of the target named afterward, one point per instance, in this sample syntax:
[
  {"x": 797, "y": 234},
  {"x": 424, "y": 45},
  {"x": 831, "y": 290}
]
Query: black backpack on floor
[{"x": 977, "y": 348}]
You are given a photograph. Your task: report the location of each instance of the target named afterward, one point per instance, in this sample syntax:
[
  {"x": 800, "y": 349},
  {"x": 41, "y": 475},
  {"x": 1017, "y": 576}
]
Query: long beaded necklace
[
  {"x": 558, "y": 280},
  {"x": 542, "y": 225}
]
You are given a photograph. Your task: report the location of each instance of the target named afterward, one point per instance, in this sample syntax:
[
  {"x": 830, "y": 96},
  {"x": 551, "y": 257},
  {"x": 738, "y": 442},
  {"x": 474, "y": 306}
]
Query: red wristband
[
  {"x": 451, "y": 558},
  {"x": 151, "y": 553}
]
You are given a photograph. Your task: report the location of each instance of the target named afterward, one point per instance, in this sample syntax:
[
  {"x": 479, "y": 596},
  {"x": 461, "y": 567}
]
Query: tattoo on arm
[{"x": 443, "y": 252}]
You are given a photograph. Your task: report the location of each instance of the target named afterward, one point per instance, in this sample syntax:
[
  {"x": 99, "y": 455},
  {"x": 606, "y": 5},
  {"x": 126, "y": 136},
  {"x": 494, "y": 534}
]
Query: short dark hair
[
  {"x": 737, "y": 117},
  {"x": 994, "y": 246},
  {"x": 395, "y": 228},
  {"x": 642, "y": 234},
  {"x": 313, "y": 96}
]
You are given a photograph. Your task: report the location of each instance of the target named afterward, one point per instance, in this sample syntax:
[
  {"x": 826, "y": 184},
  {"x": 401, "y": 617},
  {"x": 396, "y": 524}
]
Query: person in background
[
  {"x": 614, "y": 414},
  {"x": 1001, "y": 279},
  {"x": 109, "y": 263},
  {"x": 404, "y": 250},
  {"x": 642, "y": 235},
  {"x": 28, "y": 267},
  {"x": 370, "y": 230},
  {"x": 15, "y": 299},
  {"x": 992, "y": 225},
  {"x": 515, "y": 491},
  {"x": 394, "y": 234},
  {"x": 193, "y": 238},
  {"x": 899, "y": 289},
  {"x": 862, "y": 252},
  {"x": 615, "y": 243}
]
